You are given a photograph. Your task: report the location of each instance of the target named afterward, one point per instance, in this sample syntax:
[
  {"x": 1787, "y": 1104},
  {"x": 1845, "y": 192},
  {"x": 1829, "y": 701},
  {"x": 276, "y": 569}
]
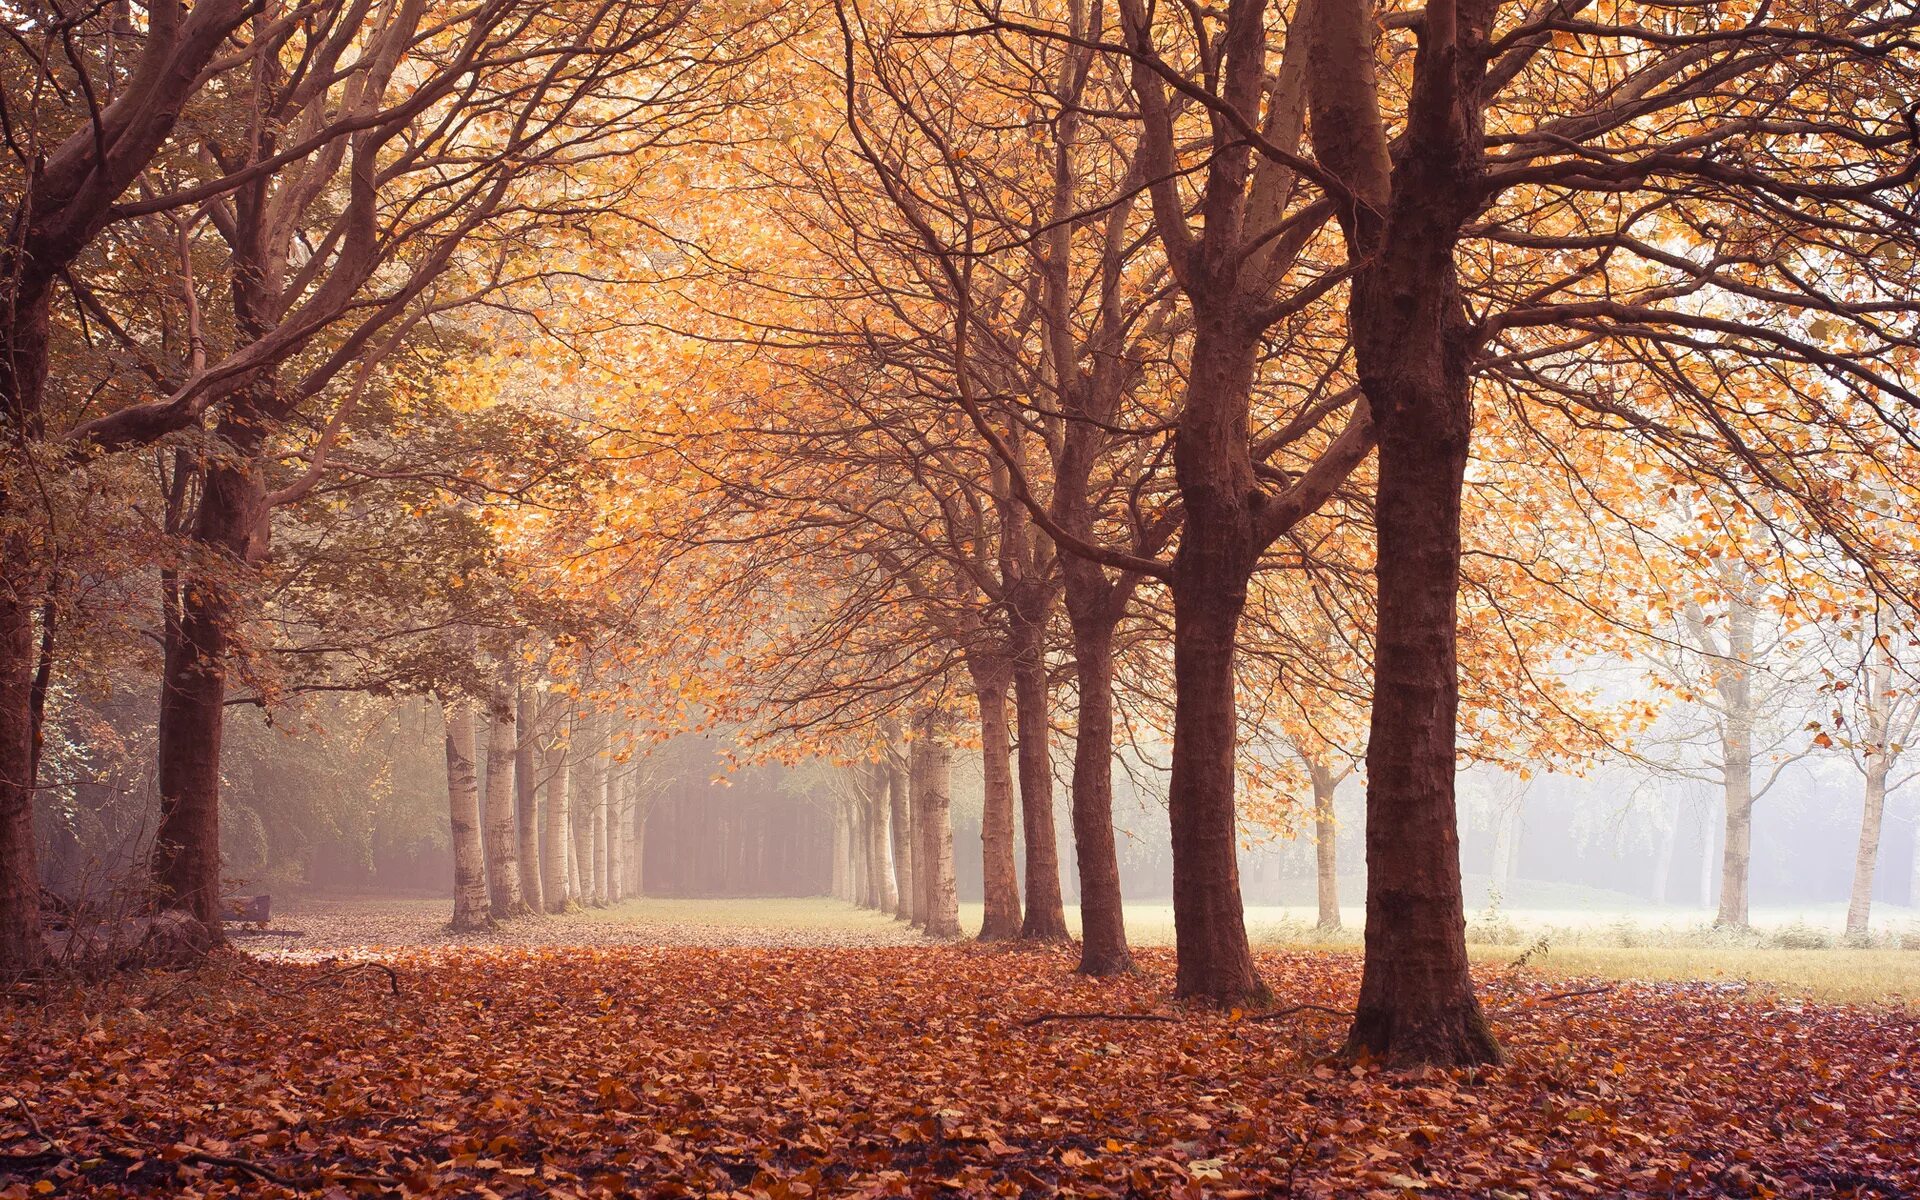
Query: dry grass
[
  {"x": 1837, "y": 976},
  {"x": 1665, "y": 954}
]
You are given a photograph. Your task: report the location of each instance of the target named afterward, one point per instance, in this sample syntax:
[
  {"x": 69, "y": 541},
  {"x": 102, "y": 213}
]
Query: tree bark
[
  {"x": 619, "y": 802},
  {"x": 923, "y": 832},
  {"x": 526, "y": 788},
  {"x": 503, "y": 836},
  {"x": 900, "y": 807},
  {"x": 857, "y": 852},
  {"x": 576, "y": 894},
  {"x": 1413, "y": 346},
  {"x": 589, "y": 784},
  {"x": 1867, "y": 856},
  {"x": 1103, "y": 926},
  {"x": 1211, "y": 569},
  {"x": 553, "y": 861},
  {"x": 1000, "y": 877},
  {"x": 1046, "y": 917},
  {"x": 1506, "y": 845},
  {"x": 1736, "y": 851},
  {"x": 1733, "y": 679},
  {"x": 1210, "y": 930},
  {"x": 470, "y": 910},
  {"x": 602, "y": 852},
  {"x": 1663, "y": 866},
  {"x": 21, "y": 945},
  {"x": 885, "y": 898},
  {"x": 637, "y": 878},
  {"x": 840, "y": 884},
  {"x": 943, "y": 898},
  {"x": 232, "y": 524},
  {"x": 1417, "y": 1002},
  {"x": 1326, "y": 855}
]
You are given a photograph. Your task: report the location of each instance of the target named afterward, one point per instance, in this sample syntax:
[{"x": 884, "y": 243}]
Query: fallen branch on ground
[
  {"x": 1530, "y": 1001},
  {"x": 1279, "y": 1014},
  {"x": 393, "y": 979}
]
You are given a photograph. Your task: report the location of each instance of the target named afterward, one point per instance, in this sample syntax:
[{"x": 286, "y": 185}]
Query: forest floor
[{"x": 915, "y": 1070}]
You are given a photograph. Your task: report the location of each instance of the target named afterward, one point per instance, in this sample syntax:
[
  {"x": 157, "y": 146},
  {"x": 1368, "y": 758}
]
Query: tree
[
  {"x": 1884, "y": 715},
  {"x": 503, "y": 840},
  {"x": 470, "y": 910},
  {"x": 527, "y": 785},
  {"x": 62, "y": 184},
  {"x": 555, "y": 835},
  {"x": 932, "y": 775}
]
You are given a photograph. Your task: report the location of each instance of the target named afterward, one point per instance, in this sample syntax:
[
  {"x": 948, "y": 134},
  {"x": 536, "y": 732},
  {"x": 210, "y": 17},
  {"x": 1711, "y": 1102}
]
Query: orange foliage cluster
[{"x": 847, "y": 1072}]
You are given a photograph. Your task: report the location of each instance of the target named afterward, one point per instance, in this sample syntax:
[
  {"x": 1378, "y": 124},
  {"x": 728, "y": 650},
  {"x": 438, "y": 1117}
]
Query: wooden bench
[{"x": 255, "y": 911}]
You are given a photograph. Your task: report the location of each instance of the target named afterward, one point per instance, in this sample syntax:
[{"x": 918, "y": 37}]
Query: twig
[
  {"x": 393, "y": 976},
  {"x": 1279, "y": 1014},
  {"x": 313, "y": 1180},
  {"x": 1530, "y": 1001},
  {"x": 26, "y": 1115}
]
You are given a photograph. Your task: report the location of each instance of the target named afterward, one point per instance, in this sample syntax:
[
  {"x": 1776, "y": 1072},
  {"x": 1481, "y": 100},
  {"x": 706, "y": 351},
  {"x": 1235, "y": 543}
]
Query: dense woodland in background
[{"x": 1273, "y": 395}]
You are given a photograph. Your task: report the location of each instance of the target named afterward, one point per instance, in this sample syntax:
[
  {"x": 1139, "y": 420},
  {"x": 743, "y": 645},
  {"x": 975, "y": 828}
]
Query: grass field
[{"x": 1554, "y": 943}]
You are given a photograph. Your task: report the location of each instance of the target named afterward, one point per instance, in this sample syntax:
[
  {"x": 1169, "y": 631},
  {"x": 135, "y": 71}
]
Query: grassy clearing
[
  {"x": 1555, "y": 943},
  {"x": 1655, "y": 945},
  {"x": 1836, "y": 976}
]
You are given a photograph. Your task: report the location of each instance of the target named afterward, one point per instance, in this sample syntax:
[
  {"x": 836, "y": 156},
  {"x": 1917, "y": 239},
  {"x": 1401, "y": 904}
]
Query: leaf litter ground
[{"x": 872, "y": 1071}]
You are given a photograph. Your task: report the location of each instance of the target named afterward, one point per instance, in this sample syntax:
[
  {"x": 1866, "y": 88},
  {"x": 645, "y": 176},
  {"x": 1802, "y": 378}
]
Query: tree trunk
[
  {"x": 943, "y": 898},
  {"x": 503, "y": 838},
  {"x": 1663, "y": 863},
  {"x": 1867, "y": 856},
  {"x": 21, "y": 944},
  {"x": 1325, "y": 846},
  {"x": 526, "y": 788},
  {"x": 619, "y": 798},
  {"x": 1210, "y": 931},
  {"x": 1417, "y": 1003},
  {"x": 840, "y": 884},
  {"x": 1736, "y": 851},
  {"x": 589, "y": 783},
  {"x": 1000, "y": 877},
  {"x": 1211, "y": 568},
  {"x": 602, "y": 857},
  {"x": 232, "y": 524},
  {"x": 51, "y": 227},
  {"x": 917, "y": 783},
  {"x": 1506, "y": 846},
  {"x": 1103, "y": 924},
  {"x": 900, "y": 807},
  {"x": 1733, "y": 679},
  {"x": 463, "y": 806},
  {"x": 884, "y": 898},
  {"x": 1046, "y": 917},
  {"x": 553, "y": 860},
  {"x": 637, "y": 878},
  {"x": 576, "y": 893},
  {"x": 857, "y": 851}
]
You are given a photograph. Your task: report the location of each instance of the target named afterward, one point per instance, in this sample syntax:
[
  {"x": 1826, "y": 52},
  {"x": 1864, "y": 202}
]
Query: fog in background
[{"x": 349, "y": 794}]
